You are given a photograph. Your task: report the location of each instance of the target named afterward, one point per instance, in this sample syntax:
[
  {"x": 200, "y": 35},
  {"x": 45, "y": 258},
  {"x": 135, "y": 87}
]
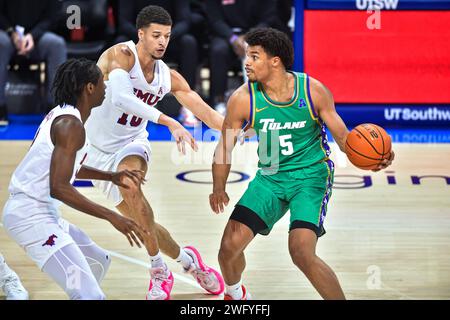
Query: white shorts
[
  {"x": 35, "y": 226},
  {"x": 110, "y": 161}
]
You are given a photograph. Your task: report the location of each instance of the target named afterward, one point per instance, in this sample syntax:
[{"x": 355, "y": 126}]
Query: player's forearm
[
  {"x": 122, "y": 96},
  {"x": 167, "y": 121},
  {"x": 221, "y": 167},
  {"x": 200, "y": 109},
  {"x": 214, "y": 119},
  {"x": 341, "y": 138},
  {"x": 89, "y": 173},
  {"x": 70, "y": 196},
  {"x": 203, "y": 111},
  {"x": 220, "y": 174},
  {"x": 130, "y": 104}
]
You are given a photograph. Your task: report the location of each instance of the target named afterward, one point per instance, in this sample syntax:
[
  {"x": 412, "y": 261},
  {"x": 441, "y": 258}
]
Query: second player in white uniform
[
  {"x": 117, "y": 130},
  {"x": 137, "y": 80}
]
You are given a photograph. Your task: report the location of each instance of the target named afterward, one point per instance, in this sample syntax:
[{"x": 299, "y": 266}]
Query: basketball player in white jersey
[
  {"x": 44, "y": 177},
  {"x": 137, "y": 79}
]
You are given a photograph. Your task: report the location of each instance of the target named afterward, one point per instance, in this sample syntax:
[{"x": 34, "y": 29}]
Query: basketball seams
[
  {"x": 382, "y": 139},
  {"x": 375, "y": 149},
  {"x": 362, "y": 155}
]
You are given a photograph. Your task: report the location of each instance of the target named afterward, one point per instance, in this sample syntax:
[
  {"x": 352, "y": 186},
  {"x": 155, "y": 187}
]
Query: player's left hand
[
  {"x": 385, "y": 163},
  {"x": 137, "y": 176},
  {"x": 182, "y": 136}
]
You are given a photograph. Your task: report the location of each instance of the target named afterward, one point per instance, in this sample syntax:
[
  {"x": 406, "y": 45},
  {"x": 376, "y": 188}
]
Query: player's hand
[
  {"x": 246, "y": 132},
  {"x": 218, "y": 200},
  {"x": 129, "y": 228},
  {"x": 386, "y": 162},
  {"x": 182, "y": 136},
  {"x": 119, "y": 178}
]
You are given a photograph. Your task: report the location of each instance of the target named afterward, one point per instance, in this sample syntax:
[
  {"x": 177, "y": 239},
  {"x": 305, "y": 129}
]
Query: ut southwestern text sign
[{"x": 396, "y": 115}]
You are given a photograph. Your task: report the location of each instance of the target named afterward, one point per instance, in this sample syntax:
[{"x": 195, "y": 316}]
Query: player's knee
[
  {"x": 228, "y": 249},
  {"x": 302, "y": 258}
]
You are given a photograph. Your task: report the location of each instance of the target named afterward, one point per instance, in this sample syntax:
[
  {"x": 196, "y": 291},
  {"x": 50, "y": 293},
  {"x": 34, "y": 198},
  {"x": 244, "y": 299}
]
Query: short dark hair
[
  {"x": 153, "y": 14},
  {"x": 274, "y": 43},
  {"x": 71, "y": 78}
]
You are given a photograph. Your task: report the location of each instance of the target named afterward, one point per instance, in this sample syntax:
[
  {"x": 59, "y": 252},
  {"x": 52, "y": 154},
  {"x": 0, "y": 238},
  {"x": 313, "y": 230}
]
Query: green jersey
[{"x": 291, "y": 135}]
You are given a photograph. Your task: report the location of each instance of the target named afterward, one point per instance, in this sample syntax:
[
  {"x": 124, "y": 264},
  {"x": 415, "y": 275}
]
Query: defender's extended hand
[
  {"x": 182, "y": 136},
  {"x": 137, "y": 176},
  {"x": 129, "y": 228}
]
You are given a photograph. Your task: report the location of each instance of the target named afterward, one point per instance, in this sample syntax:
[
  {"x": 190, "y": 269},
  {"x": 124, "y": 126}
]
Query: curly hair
[
  {"x": 71, "y": 78},
  {"x": 274, "y": 42},
  {"x": 153, "y": 14}
]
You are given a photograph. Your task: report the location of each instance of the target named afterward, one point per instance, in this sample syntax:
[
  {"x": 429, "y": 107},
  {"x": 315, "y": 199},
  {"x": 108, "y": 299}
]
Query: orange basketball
[{"x": 367, "y": 145}]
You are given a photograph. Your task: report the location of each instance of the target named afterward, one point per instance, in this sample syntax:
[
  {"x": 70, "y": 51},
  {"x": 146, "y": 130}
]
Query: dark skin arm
[
  {"x": 324, "y": 106},
  {"x": 68, "y": 136},
  {"x": 238, "y": 111}
]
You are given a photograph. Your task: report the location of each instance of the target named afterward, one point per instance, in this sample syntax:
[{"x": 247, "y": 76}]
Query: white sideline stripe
[{"x": 147, "y": 266}]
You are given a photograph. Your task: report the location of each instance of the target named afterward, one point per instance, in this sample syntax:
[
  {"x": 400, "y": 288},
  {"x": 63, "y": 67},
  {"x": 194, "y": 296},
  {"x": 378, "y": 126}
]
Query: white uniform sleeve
[{"x": 122, "y": 96}]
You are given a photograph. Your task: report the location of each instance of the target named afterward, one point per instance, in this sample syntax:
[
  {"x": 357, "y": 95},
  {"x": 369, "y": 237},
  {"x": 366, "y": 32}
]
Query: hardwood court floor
[{"x": 386, "y": 241}]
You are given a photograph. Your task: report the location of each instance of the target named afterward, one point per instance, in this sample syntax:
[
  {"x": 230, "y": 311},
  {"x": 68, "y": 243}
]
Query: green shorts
[{"x": 305, "y": 192}]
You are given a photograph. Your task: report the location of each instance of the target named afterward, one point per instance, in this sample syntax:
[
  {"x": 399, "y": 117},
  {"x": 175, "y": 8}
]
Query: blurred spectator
[
  {"x": 183, "y": 46},
  {"x": 229, "y": 20},
  {"x": 199, "y": 26},
  {"x": 95, "y": 30},
  {"x": 285, "y": 11},
  {"x": 24, "y": 32}
]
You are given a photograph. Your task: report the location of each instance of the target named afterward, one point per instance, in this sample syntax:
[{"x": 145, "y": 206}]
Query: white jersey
[
  {"x": 32, "y": 176},
  {"x": 110, "y": 128}
]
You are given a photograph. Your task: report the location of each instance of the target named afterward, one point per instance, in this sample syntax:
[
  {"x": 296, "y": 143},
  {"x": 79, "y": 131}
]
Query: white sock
[
  {"x": 184, "y": 259},
  {"x": 235, "y": 290},
  {"x": 157, "y": 260}
]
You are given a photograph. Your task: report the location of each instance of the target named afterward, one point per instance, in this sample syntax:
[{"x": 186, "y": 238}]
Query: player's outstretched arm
[
  {"x": 68, "y": 137},
  {"x": 237, "y": 113},
  {"x": 324, "y": 106},
  {"x": 191, "y": 100}
]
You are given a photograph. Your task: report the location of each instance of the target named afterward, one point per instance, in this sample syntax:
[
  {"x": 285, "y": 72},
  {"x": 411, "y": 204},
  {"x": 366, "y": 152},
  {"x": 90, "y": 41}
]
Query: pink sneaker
[
  {"x": 161, "y": 284},
  {"x": 208, "y": 278}
]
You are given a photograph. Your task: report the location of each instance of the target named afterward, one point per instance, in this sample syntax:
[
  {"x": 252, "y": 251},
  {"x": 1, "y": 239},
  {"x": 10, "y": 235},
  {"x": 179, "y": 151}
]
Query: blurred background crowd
[{"x": 206, "y": 44}]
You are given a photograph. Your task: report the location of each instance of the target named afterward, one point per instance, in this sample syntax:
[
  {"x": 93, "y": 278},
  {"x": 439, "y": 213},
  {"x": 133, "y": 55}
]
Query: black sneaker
[{"x": 3, "y": 116}]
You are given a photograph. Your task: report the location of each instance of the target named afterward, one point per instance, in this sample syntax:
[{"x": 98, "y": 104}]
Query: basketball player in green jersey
[{"x": 289, "y": 112}]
